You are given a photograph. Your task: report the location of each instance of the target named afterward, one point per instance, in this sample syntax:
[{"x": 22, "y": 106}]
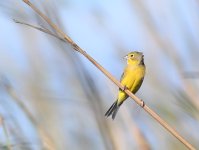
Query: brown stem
[{"x": 136, "y": 99}]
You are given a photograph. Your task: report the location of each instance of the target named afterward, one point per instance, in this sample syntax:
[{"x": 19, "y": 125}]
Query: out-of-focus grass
[{"x": 62, "y": 98}]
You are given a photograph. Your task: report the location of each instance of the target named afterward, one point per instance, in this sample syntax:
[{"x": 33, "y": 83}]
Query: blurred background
[{"x": 52, "y": 98}]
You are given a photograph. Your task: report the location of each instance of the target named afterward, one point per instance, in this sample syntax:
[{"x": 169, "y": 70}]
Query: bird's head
[{"x": 135, "y": 58}]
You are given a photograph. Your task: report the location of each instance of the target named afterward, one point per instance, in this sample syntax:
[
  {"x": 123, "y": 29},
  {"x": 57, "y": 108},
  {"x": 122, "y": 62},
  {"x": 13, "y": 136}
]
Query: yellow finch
[{"x": 131, "y": 79}]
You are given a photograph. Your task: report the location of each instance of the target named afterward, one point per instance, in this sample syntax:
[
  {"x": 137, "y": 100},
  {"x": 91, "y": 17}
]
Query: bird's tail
[{"x": 113, "y": 110}]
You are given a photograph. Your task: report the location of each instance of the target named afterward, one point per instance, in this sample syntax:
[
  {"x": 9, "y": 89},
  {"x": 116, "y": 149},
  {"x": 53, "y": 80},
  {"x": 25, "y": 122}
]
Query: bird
[{"x": 131, "y": 79}]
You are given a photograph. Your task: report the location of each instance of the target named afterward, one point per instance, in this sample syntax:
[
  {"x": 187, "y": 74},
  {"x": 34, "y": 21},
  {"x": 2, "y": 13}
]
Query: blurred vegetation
[{"x": 52, "y": 98}]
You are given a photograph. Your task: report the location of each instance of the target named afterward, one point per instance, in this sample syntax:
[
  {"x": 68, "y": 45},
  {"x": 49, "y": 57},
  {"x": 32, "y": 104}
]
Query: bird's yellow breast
[{"x": 132, "y": 78}]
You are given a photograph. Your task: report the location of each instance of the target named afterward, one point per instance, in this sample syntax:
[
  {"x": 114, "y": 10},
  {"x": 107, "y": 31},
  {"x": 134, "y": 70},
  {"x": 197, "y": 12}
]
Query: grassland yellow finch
[{"x": 131, "y": 79}]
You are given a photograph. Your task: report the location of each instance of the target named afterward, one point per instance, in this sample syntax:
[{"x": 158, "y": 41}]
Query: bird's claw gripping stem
[
  {"x": 125, "y": 88},
  {"x": 142, "y": 104}
]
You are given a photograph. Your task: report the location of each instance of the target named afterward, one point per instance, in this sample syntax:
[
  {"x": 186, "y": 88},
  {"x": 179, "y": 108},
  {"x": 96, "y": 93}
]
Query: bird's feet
[
  {"x": 125, "y": 88},
  {"x": 142, "y": 104}
]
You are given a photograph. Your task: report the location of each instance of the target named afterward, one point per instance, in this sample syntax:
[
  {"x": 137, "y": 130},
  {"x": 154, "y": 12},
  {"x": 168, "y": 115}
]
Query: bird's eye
[{"x": 132, "y": 55}]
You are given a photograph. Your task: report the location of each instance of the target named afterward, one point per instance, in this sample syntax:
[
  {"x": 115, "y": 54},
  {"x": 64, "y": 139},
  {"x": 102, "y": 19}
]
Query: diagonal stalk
[{"x": 67, "y": 39}]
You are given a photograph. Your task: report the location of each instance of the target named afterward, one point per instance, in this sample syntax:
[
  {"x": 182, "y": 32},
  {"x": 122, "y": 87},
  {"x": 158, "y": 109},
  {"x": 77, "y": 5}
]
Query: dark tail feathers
[{"x": 113, "y": 110}]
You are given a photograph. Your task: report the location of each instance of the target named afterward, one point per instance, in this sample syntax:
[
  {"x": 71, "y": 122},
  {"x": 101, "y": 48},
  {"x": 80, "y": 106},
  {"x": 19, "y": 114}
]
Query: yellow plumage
[{"x": 131, "y": 79}]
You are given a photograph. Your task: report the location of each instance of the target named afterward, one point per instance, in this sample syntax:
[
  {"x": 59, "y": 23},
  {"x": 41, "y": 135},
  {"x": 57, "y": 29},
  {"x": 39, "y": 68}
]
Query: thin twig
[
  {"x": 136, "y": 99},
  {"x": 40, "y": 29}
]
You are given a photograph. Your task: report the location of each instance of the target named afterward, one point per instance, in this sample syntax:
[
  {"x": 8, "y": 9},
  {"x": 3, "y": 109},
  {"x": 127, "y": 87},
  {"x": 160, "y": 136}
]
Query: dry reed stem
[{"x": 136, "y": 99}]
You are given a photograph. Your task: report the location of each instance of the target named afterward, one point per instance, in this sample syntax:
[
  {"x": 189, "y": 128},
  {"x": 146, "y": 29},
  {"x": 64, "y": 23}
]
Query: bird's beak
[{"x": 125, "y": 57}]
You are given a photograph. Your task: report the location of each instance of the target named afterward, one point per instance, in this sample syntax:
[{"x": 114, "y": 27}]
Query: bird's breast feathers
[{"x": 133, "y": 75}]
